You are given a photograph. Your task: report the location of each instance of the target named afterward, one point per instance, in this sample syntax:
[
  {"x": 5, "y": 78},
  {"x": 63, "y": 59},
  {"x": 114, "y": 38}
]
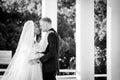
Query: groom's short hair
[{"x": 46, "y": 19}]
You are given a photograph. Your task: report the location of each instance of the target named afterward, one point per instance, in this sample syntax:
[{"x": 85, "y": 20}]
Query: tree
[
  {"x": 100, "y": 14},
  {"x": 66, "y": 30},
  {"x": 14, "y": 14}
]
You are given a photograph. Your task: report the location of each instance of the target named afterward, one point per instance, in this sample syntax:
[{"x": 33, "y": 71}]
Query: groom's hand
[
  {"x": 34, "y": 61},
  {"x": 31, "y": 62}
]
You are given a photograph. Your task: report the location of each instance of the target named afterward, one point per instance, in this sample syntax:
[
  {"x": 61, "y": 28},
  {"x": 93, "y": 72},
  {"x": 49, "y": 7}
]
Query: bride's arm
[{"x": 37, "y": 47}]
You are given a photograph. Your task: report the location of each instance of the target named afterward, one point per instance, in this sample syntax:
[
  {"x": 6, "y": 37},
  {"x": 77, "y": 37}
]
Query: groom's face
[{"x": 43, "y": 26}]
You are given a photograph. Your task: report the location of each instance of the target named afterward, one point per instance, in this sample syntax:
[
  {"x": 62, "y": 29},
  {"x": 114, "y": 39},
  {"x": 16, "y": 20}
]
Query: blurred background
[
  {"x": 100, "y": 26},
  {"x": 13, "y": 15}
]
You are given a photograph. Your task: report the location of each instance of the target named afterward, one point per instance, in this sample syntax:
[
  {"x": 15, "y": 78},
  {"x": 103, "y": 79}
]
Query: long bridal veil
[{"x": 19, "y": 67}]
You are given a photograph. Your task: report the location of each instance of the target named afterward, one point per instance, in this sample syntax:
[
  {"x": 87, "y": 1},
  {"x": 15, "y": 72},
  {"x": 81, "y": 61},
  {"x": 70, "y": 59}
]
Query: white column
[
  {"x": 109, "y": 49},
  {"x": 115, "y": 39},
  {"x": 77, "y": 38},
  {"x": 85, "y": 39},
  {"x": 49, "y": 9}
]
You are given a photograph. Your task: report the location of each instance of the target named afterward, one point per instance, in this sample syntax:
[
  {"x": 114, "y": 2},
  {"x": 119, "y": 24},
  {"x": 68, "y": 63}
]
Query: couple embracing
[{"x": 35, "y": 60}]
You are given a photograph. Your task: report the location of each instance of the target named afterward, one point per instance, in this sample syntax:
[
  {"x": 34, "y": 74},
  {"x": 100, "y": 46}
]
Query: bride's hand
[{"x": 39, "y": 54}]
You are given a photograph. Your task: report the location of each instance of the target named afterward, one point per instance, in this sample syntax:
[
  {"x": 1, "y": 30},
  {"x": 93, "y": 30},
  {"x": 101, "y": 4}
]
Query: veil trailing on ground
[{"x": 22, "y": 53}]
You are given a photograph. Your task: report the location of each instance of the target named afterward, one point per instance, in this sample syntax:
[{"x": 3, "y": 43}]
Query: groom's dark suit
[{"x": 50, "y": 60}]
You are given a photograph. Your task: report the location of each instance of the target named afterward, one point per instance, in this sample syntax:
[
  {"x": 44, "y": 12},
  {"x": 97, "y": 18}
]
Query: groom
[{"x": 50, "y": 58}]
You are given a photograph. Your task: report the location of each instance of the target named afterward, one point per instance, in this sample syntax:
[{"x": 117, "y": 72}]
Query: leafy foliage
[
  {"x": 14, "y": 14},
  {"x": 66, "y": 30},
  {"x": 100, "y": 14}
]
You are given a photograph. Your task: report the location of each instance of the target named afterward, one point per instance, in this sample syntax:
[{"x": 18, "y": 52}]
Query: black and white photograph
[{"x": 59, "y": 39}]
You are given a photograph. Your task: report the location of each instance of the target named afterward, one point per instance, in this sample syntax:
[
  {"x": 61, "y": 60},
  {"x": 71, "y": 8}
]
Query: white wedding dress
[{"x": 19, "y": 67}]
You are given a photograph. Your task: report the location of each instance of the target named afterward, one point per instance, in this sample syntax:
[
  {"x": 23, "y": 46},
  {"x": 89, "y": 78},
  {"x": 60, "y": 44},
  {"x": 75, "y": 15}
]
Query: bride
[{"x": 21, "y": 66}]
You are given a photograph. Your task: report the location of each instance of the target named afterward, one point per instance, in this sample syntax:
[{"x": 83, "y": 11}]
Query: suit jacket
[{"x": 50, "y": 59}]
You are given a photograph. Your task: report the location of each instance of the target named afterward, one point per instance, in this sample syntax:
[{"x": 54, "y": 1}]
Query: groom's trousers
[{"x": 49, "y": 76}]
